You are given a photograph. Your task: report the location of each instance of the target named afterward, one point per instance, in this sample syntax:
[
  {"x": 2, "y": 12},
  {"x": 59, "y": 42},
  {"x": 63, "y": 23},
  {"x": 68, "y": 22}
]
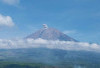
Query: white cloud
[
  {"x": 6, "y": 21},
  {"x": 64, "y": 45},
  {"x": 11, "y": 2}
]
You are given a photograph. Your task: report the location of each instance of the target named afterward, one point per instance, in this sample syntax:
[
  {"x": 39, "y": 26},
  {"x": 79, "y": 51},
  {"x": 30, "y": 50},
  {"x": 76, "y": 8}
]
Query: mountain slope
[
  {"x": 50, "y": 34},
  {"x": 52, "y": 57}
]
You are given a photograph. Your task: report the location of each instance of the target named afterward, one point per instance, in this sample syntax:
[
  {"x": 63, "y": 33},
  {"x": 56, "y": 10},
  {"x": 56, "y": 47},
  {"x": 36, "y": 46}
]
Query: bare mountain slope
[{"x": 50, "y": 34}]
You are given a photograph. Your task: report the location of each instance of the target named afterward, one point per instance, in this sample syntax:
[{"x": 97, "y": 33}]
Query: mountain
[
  {"x": 57, "y": 57},
  {"x": 50, "y": 34}
]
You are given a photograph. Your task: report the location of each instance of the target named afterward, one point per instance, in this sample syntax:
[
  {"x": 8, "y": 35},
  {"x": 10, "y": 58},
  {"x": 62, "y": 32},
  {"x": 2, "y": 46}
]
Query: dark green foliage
[
  {"x": 40, "y": 65},
  {"x": 23, "y": 65}
]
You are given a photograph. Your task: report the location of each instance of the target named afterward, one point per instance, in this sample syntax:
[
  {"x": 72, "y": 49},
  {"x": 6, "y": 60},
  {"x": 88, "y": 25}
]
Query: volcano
[{"x": 50, "y": 34}]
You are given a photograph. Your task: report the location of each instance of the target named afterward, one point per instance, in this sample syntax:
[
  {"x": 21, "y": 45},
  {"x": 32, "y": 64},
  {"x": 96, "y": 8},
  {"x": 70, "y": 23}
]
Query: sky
[{"x": 78, "y": 19}]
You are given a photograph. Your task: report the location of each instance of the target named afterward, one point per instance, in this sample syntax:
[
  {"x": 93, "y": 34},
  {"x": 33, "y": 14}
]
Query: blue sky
[{"x": 79, "y": 19}]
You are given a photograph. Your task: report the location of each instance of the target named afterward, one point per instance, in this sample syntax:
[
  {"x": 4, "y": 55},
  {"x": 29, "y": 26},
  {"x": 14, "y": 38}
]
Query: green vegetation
[
  {"x": 48, "y": 58},
  {"x": 41, "y": 65},
  {"x": 23, "y": 65}
]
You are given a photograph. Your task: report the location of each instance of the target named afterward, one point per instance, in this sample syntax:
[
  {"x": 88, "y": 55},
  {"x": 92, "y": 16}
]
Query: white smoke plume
[
  {"x": 40, "y": 43},
  {"x": 45, "y": 26}
]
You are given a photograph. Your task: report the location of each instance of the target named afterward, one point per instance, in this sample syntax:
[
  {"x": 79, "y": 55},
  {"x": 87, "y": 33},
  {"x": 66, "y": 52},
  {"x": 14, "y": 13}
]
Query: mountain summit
[{"x": 50, "y": 34}]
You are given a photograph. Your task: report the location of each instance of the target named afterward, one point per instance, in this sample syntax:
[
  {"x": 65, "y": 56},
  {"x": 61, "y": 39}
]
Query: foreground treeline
[
  {"x": 24, "y": 65},
  {"x": 41, "y": 65}
]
